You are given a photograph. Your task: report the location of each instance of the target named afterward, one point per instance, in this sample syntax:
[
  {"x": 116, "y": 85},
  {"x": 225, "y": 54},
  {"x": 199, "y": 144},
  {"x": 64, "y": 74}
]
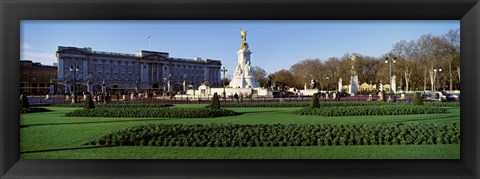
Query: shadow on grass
[
  {"x": 92, "y": 122},
  {"x": 420, "y": 120},
  {"x": 65, "y": 149},
  {"x": 246, "y": 112}
]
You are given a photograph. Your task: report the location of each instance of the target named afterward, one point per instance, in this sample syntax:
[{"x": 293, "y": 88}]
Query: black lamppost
[
  {"x": 224, "y": 70},
  {"x": 74, "y": 68},
  {"x": 435, "y": 70},
  {"x": 164, "y": 85},
  {"x": 390, "y": 61}
]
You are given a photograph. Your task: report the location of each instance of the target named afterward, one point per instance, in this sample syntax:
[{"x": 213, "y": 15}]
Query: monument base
[{"x": 244, "y": 82}]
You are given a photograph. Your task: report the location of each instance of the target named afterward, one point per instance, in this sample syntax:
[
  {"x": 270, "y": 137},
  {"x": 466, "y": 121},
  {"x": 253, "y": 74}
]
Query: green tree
[
  {"x": 315, "y": 101},
  {"x": 215, "y": 103},
  {"x": 88, "y": 102},
  {"x": 418, "y": 99}
]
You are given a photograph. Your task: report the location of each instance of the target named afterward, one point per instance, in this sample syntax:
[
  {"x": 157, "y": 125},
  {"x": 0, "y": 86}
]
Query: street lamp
[
  {"x": 224, "y": 70},
  {"x": 327, "y": 83},
  {"x": 164, "y": 85},
  {"x": 74, "y": 68},
  {"x": 435, "y": 70},
  {"x": 390, "y": 61}
]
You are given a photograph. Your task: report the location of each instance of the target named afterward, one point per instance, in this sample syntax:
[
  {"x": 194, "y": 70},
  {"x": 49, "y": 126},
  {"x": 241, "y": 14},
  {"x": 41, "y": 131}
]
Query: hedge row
[
  {"x": 261, "y": 135},
  {"x": 444, "y": 104},
  {"x": 289, "y": 105},
  {"x": 371, "y": 110},
  {"x": 151, "y": 112},
  {"x": 33, "y": 110},
  {"x": 117, "y": 105}
]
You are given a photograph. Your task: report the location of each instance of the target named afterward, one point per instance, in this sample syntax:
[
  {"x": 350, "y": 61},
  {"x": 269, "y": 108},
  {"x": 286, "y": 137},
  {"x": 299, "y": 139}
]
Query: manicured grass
[
  {"x": 53, "y": 131},
  {"x": 451, "y": 151}
]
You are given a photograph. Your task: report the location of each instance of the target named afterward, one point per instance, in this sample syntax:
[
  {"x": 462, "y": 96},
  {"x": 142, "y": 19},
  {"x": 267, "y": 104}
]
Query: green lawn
[{"x": 51, "y": 135}]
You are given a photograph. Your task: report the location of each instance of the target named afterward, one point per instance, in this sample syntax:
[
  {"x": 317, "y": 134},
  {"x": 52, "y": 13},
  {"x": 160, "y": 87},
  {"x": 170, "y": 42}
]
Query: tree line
[{"x": 417, "y": 66}]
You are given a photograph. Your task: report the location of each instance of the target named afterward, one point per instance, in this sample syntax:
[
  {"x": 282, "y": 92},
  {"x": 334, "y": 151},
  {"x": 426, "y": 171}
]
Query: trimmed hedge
[
  {"x": 151, "y": 112},
  {"x": 33, "y": 110},
  {"x": 262, "y": 135},
  {"x": 443, "y": 104},
  {"x": 116, "y": 105},
  {"x": 371, "y": 110},
  {"x": 315, "y": 102},
  {"x": 296, "y": 105}
]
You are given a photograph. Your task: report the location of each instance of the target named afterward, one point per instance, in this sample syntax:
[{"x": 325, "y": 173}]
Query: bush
[
  {"x": 33, "y": 110},
  {"x": 152, "y": 112},
  {"x": 118, "y": 106},
  {"x": 371, "y": 110},
  {"x": 315, "y": 101},
  {"x": 240, "y": 99},
  {"x": 305, "y": 104},
  {"x": 417, "y": 99},
  {"x": 88, "y": 102},
  {"x": 260, "y": 135},
  {"x": 215, "y": 104}
]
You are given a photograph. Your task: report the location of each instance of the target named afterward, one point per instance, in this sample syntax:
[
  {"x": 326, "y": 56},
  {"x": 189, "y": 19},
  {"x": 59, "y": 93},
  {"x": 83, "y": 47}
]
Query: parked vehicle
[
  {"x": 449, "y": 96},
  {"x": 434, "y": 96},
  {"x": 439, "y": 96}
]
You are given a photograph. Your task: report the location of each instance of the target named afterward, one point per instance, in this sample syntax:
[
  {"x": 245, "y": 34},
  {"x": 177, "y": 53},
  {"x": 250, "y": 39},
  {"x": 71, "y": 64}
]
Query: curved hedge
[
  {"x": 116, "y": 105},
  {"x": 289, "y": 105},
  {"x": 443, "y": 104},
  {"x": 371, "y": 110},
  {"x": 151, "y": 112},
  {"x": 216, "y": 135},
  {"x": 33, "y": 110}
]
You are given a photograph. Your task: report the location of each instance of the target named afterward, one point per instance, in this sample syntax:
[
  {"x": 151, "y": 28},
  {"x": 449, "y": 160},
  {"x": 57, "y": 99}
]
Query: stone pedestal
[
  {"x": 243, "y": 74},
  {"x": 353, "y": 87}
]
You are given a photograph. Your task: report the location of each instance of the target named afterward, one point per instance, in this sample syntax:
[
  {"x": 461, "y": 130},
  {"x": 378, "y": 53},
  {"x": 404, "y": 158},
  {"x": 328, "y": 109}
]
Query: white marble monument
[
  {"x": 393, "y": 86},
  {"x": 243, "y": 75},
  {"x": 353, "y": 87}
]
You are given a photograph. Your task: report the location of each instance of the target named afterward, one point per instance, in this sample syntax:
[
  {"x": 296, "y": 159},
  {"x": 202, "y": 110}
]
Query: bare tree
[
  {"x": 260, "y": 74},
  {"x": 406, "y": 52}
]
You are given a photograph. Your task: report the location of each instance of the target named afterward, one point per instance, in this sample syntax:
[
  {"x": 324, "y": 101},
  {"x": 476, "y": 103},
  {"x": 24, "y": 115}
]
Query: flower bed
[
  {"x": 151, "y": 112},
  {"x": 371, "y": 110},
  {"x": 261, "y": 135}
]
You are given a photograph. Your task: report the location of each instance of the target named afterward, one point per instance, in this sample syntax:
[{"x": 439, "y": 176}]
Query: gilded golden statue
[{"x": 243, "y": 35}]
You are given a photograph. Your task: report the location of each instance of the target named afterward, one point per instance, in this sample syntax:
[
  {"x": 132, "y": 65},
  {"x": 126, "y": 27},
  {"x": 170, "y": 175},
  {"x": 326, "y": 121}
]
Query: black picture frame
[{"x": 12, "y": 11}]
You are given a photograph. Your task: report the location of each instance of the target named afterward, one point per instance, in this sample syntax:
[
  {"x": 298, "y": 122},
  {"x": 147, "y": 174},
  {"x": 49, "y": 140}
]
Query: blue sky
[{"x": 275, "y": 45}]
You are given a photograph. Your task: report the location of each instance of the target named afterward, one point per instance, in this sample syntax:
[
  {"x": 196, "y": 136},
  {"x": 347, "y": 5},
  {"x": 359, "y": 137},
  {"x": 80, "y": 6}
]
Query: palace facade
[
  {"x": 146, "y": 70},
  {"x": 35, "y": 78}
]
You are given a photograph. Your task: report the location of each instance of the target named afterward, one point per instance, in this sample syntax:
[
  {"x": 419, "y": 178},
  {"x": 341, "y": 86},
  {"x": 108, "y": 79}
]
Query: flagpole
[{"x": 150, "y": 41}]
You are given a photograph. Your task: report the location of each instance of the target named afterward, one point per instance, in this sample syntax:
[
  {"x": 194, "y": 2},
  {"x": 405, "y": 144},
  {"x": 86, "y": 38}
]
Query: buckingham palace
[{"x": 145, "y": 70}]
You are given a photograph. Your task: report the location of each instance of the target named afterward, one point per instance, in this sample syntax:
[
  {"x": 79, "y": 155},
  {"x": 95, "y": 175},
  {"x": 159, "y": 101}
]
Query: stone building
[
  {"x": 35, "y": 78},
  {"x": 145, "y": 70}
]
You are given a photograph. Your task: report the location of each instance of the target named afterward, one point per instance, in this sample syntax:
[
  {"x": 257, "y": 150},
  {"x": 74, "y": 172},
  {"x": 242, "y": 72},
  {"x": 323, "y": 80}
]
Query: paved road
[{"x": 58, "y": 99}]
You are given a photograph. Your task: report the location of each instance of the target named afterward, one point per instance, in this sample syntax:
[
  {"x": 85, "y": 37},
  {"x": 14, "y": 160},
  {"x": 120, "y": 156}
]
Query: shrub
[
  {"x": 152, "y": 112},
  {"x": 33, "y": 110},
  {"x": 260, "y": 135},
  {"x": 315, "y": 101},
  {"x": 304, "y": 104},
  {"x": 215, "y": 104},
  {"x": 88, "y": 102},
  {"x": 240, "y": 98},
  {"x": 417, "y": 99},
  {"x": 371, "y": 110}
]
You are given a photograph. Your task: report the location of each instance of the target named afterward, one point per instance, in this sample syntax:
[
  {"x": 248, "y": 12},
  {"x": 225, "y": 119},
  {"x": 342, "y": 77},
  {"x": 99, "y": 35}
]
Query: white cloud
[
  {"x": 44, "y": 58},
  {"x": 26, "y": 46}
]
